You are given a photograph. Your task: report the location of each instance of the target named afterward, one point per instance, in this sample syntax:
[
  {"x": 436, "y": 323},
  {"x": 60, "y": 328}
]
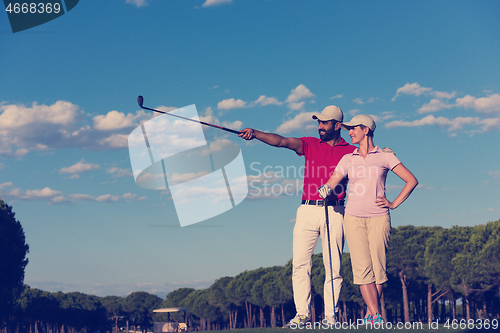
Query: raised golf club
[{"x": 140, "y": 101}]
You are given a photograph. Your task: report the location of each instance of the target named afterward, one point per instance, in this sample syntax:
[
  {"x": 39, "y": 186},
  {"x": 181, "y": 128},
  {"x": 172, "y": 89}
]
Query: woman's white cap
[
  {"x": 360, "y": 119},
  {"x": 329, "y": 113}
]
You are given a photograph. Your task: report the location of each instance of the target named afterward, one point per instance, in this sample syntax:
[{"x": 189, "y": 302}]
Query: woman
[{"x": 367, "y": 222}]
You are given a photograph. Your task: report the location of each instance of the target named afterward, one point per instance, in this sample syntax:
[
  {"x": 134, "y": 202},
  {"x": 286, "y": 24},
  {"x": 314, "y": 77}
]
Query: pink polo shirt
[
  {"x": 320, "y": 162},
  {"x": 366, "y": 180}
]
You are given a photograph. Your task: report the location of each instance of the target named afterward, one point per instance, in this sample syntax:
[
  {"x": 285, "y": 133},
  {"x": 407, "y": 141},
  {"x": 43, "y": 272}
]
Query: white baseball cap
[
  {"x": 360, "y": 119},
  {"x": 331, "y": 112}
]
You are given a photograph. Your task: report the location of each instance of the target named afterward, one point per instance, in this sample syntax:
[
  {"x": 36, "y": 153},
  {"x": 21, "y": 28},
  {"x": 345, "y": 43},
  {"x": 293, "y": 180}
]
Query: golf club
[
  {"x": 330, "y": 254},
  {"x": 140, "y": 100}
]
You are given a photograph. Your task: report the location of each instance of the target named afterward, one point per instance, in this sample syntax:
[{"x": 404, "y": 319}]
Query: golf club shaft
[
  {"x": 140, "y": 100},
  {"x": 330, "y": 254}
]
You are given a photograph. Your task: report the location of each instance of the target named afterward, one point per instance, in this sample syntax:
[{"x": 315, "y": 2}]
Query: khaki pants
[
  {"x": 367, "y": 238},
  {"x": 309, "y": 226}
]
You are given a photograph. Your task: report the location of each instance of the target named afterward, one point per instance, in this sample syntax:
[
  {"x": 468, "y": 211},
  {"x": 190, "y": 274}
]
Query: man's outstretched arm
[{"x": 272, "y": 139}]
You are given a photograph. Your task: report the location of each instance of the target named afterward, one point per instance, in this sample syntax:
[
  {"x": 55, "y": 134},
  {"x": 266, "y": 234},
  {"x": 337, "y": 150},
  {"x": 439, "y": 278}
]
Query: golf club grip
[{"x": 222, "y": 128}]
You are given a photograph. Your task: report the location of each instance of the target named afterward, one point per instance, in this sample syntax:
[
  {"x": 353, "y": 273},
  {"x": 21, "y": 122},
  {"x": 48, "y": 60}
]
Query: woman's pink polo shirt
[{"x": 366, "y": 180}]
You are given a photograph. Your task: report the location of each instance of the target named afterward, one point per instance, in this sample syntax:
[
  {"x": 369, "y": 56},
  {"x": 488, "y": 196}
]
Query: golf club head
[{"x": 140, "y": 100}]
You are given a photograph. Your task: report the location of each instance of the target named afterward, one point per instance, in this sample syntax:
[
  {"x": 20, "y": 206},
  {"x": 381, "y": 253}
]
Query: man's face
[{"x": 326, "y": 130}]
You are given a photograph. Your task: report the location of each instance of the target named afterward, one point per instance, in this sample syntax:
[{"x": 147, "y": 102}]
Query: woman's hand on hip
[{"x": 382, "y": 202}]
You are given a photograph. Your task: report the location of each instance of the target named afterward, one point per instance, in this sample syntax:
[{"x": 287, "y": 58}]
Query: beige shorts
[{"x": 367, "y": 238}]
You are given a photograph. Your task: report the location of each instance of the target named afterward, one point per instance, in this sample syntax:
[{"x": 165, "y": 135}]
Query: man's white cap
[
  {"x": 360, "y": 119},
  {"x": 329, "y": 113}
]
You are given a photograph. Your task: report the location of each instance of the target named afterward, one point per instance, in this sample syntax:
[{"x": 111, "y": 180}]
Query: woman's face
[{"x": 357, "y": 134}]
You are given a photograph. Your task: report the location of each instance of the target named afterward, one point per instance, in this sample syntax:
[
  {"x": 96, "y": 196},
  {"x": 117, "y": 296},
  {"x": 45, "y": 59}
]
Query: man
[{"x": 321, "y": 158}]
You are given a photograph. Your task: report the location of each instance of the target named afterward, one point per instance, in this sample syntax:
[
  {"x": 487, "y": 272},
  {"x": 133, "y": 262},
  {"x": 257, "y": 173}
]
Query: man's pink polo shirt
[
  {"x": 366, "y": 180},
  {"x": 320, "y": 162}
]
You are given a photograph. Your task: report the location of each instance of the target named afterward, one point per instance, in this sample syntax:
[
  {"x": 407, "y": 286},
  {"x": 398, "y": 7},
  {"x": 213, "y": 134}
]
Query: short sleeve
[
  {"x": 343, "y": 165},
  {"x": 305, "y": 147},
  {"x": 391, "y": 160}
]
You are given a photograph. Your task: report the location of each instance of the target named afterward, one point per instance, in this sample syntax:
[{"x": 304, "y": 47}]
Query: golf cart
[{"x": 170, "y": 325}]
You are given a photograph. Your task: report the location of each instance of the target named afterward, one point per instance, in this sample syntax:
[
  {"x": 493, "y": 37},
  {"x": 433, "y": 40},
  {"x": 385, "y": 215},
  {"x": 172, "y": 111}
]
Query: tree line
[{"x": 434, "y": 273}]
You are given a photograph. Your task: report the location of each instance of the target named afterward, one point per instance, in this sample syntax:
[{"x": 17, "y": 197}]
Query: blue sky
[{"x": 428, "y": 72}]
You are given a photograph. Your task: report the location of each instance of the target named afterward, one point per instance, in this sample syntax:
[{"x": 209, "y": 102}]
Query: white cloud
[
  {"x": 80, "y": 167},
  {"x": 47, "y": 192},
  {"x": 18, "y": 116},
  {"x": 431, "y": 120},
  {"x": 416, "y": 90},
  {"x": 117, "y": 172},
  {"x": 336, "y": 96},
  {"x": 390, "y": 188},
  {"x": 107, "y": 198},
  {"x": 29, "y": 195},
  {"x": 81, "y": 197},
  {"x": 115, "y": 141},
  {"x": 236, "y": 125},
  {"x": 444, "y": 95},
  {"x": 210, "y": 118},
  {"x": 165, "y": 108},
  {"x": 383, "y": 116},
  {"x": 36, "y": 127},
  {"x": 138, "y": 3},
  {"x": 485, "y": 125},
  {"x": 220, "y": 145},
  {"x": 295, "y": 100},
  {"x": 231, "y": 103},
  {"x": 209, "y": 3},
  {"x": 494, "y": 173},
  {"x": 263, "y": 100},
  {"x": 297, "y": 95},
  {"x": 434, "y": 105},
  {"x": 184, "y": 177},
  {"x": 148, "y": 177},
  {"x": 358, "y": 101},
  {"x": 61, "y": 125},
  {"x": 114, "y": 120},
  {"x": 59, "y": 199},
  {"x": 127, "y": 197},
  {"x": 412, "y": 89},
  {"x": 299, "y": 122},
  {"x": 490, "y": 124},
  {"x": 490, "y": 104}
]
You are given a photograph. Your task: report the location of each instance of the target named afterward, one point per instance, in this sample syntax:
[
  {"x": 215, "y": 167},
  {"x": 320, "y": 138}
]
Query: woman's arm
[
  {"x": 411, "y": 183},
  {"x": 335, "y": 178}
]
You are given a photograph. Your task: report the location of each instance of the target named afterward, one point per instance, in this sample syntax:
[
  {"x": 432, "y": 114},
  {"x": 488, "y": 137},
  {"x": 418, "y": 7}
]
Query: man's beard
[{"x": 328, "y": 135}]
